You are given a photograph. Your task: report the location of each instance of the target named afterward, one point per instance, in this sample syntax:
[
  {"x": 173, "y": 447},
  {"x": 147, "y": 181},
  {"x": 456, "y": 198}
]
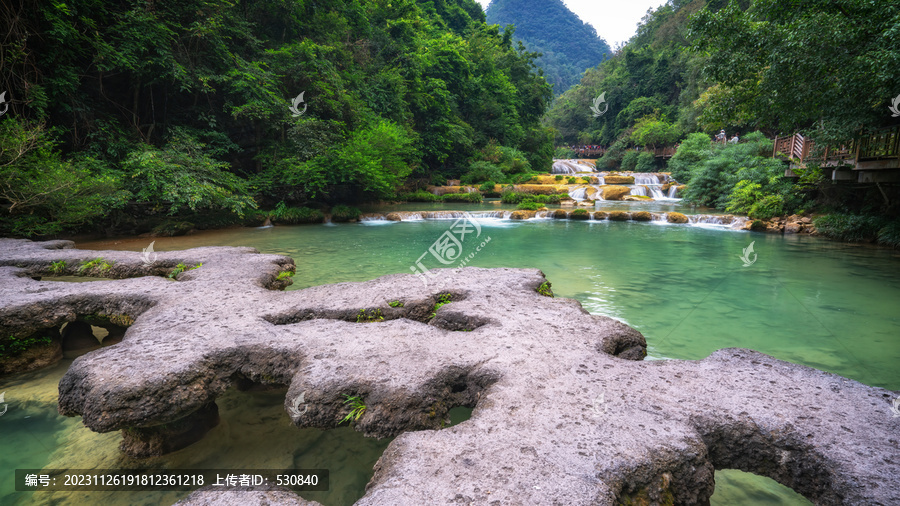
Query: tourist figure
[
  {"x": 734, "y": 140},
  {"x": 721, "y": 137}
]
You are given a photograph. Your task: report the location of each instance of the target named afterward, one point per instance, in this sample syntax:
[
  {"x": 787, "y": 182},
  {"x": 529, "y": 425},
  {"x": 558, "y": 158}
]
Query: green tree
[
  {"x": 183, "y": 175},
  {"x": 41, "y": 192},
  {"x": 819, "y": 65}
]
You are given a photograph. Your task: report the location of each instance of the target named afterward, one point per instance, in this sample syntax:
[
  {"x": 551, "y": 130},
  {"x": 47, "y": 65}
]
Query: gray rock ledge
[{"x": 565, "y": 411}]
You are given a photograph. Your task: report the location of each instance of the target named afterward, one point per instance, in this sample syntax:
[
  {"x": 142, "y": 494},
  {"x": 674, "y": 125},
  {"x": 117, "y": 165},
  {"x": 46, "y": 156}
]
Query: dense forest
[
  {"x": 755, "y": 69},
  {"x": 126, "y": 116},
  {"x": 120, "y": 112},
  {"x": 567, "y": 45}
]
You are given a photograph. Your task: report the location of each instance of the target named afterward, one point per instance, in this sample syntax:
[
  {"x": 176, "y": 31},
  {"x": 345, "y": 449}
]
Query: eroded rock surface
[{"x": 561, "y": 415}]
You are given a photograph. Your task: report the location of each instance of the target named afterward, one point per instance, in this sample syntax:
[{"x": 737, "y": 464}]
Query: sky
[{"x": 615, "y": 21}]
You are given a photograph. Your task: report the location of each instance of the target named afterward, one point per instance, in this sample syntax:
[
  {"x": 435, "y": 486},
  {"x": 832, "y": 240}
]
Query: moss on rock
[{"x": 676, "y": 218}]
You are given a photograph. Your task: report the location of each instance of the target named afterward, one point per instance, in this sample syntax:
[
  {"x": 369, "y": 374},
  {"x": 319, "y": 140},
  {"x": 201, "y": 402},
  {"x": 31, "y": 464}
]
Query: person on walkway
[{"x": 721, "y": 137}]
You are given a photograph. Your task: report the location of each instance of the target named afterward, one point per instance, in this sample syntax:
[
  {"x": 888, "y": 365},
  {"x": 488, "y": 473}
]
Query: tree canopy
[{"x": 184, "y": 105}]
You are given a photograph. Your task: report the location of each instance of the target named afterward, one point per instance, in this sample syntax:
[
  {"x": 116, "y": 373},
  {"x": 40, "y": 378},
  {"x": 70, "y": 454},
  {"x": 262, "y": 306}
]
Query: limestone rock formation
[
  {"x": 674, "y": 217},
  {"x": 615, "y": 192},
  {"x": 565, "y": 411}
]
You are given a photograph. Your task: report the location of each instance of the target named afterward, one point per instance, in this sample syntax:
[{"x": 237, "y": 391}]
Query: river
[{"x": 807, "y": 300}]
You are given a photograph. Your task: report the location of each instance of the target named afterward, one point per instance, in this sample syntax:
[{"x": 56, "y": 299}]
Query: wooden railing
[
  {"x": 882, "y": 145},
  {"x": 665, "y": 152}
]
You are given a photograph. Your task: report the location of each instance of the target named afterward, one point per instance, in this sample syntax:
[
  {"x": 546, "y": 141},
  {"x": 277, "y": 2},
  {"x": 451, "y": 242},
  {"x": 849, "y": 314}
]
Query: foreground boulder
[{"x": 565, "y": 411}]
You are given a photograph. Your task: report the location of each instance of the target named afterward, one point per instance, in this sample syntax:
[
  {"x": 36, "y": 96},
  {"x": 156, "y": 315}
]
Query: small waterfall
[
  {"x": 724, "y": 220},
  {"x": 601, "y": 180},
  {"x": 570, "y": 167},
  {"x": 578, "y": 194},
  {"x": 656, "y": 192},
  {"x": 645, "y": 178},
  {"x": 638, "y": 190},
  {"x": 672, "y": 190}
]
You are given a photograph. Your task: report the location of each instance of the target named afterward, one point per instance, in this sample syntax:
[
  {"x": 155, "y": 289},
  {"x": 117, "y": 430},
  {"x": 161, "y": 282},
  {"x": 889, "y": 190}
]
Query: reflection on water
[{"x": 828, "y": 305}]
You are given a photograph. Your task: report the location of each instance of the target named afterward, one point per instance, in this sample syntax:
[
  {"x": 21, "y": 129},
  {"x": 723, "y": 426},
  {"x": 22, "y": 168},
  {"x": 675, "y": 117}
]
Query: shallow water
[{"x": 827, "y": 305}]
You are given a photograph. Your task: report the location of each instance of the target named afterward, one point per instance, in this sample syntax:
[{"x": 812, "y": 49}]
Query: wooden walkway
[{"x": 858, "y": 160}]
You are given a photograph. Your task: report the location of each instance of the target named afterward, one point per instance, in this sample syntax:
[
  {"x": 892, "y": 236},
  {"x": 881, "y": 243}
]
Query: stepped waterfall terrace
[{"x": 810, "y": 301}]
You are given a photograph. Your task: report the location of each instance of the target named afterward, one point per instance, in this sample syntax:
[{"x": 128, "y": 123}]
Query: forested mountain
[
  {"x": 568, "y": 45},
  {"x": 125, "y": 109},
  {"x": 756, "y": 68}
]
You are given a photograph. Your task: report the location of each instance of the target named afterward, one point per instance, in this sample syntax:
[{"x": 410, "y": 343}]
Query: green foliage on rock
[
  {"x": 529, "y": 205},
  {"x": 12, "y": 346},
  {"x": 295, "y": 215},
  {"x": 342, "y": 213},
  {"x": 473, "y": 197},
  {"x": 419, "y": 196},
  {"x": 860, "y": 228}
]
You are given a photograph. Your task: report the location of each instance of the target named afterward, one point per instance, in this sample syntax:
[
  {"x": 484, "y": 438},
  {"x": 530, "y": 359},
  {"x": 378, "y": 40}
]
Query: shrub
[
  {"x": 473, "y": 197},
  {"x": 889, "y": 235},
  {"x": 295, "y": 215},
  {"x": 529, "y": 205},
  {"x": 629, "y": 160},
  {"x": 480, "y": 172},
  {"x": 487, "y": 187},
  {"x": 418, "y": 196},
  {"x": 544, "y": 289},
  {"x": 645, "y": 162},
  {"x": 768, "y": 207},
  {"x": 511, "y": 197},
  {"x": 580, "y": 214},
  {"x": 523, "y": 178},
  {"x": 559, "y": 177},
  {"x": 851, "y": 228},
  {"x": 343, "y": 213},
  {"x": 563, "y": 153},
  {"x": 573, "y": 180}
]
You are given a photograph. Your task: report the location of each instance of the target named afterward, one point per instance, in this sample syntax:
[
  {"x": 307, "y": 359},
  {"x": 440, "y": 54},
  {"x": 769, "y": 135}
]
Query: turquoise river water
[{"x": 807, "y": 300}]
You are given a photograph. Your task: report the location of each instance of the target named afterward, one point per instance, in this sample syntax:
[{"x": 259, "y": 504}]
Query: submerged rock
[
  {"x": 565, "y": 411},
  {"x": 676, "y": 218}
]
